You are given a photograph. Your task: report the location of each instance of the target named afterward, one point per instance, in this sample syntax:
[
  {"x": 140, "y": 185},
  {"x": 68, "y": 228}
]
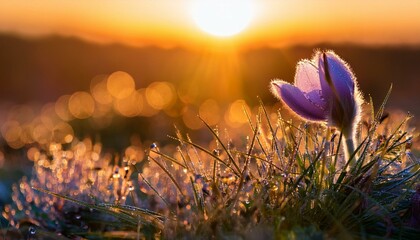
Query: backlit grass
[{"x": 282, "y": 179}]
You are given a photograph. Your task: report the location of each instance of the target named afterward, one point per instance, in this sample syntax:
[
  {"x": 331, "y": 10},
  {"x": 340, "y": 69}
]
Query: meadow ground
[{"x": 276, "y": 178}]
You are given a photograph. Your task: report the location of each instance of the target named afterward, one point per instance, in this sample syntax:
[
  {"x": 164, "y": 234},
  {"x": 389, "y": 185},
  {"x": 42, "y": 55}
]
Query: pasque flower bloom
[{"x": 325, "y": 90}]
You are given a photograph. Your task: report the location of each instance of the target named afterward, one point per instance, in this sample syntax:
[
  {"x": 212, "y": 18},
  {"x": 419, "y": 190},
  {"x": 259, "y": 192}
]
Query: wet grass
[{"x": 280, "y": 180}]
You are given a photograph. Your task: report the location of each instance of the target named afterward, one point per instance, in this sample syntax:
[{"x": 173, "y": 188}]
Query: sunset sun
[{"x": 222, "y": 18}]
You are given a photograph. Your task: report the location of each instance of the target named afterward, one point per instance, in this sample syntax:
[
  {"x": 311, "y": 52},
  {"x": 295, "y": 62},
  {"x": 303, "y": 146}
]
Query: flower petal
[
  {"x": 333, "y": 71},
  {"x": 297, "y": 102},
  {"x": 307, "y": 79},
  {"x": 342, "y": 78}
]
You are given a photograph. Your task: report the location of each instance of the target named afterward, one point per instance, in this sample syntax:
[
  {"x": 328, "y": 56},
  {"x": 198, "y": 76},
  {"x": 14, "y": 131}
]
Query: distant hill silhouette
[{"x": 45, "y": 68}]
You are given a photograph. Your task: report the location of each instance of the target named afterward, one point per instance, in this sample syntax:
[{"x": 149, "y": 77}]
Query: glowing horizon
[
  {"x": 222, "y": 18},
  {"x": 169, "y": 23}
]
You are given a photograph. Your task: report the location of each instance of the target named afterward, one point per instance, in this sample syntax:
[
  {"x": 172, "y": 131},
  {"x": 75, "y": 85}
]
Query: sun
[{"x": 222, "y": 18}]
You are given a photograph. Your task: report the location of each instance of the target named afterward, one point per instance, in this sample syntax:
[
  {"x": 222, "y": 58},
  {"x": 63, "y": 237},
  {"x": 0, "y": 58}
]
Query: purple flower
[{"x": 325, "y": 90}]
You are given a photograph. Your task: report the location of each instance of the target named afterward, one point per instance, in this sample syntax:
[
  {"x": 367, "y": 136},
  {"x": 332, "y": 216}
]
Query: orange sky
[{"x": 168, "y": 23}]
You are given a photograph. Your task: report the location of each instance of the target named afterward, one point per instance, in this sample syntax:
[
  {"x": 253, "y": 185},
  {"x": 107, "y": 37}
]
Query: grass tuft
[{"x": 281, "y": 180}]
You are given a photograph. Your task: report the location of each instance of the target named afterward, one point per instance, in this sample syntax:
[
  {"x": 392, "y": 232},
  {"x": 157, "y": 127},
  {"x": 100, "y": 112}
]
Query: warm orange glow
[
  {"x": 120, "y": 84},
  {"x": 129, "y": 106},
  {"x": 211, "y": 76},
  {"x": 160, "y": 95},
  {"x": 81, "y": 105},
  {"x": 235, "y": 116},
  {"x": 41, "y": 133},
  {"x": 145, "y": 109},
  {"x": 275, "y": 23},
  {"x": 222, "y": 18},
  {"x": 61, "y": 108},
  {"x": 210, "y": 112},
  {"x": 189, "y": 116},
  {"x": 63, "y": 133},
  {"x": 98, "y": 88},
  {"x": 11, "y": 131}
]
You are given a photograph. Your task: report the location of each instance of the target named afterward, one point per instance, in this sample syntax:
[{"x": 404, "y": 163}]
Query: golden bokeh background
[{"x": 78, "y": 68}]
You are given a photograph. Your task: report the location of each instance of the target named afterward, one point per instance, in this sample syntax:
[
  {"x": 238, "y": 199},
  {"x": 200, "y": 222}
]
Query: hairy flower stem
[{"x": 349, "y": 151}]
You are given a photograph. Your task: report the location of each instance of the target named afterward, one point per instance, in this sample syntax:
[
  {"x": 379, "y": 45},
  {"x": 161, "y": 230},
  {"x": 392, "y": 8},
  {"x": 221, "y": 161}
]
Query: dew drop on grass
[
  {"x": 32, "y": 230},
  {"x": 216, "y": 152}
]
